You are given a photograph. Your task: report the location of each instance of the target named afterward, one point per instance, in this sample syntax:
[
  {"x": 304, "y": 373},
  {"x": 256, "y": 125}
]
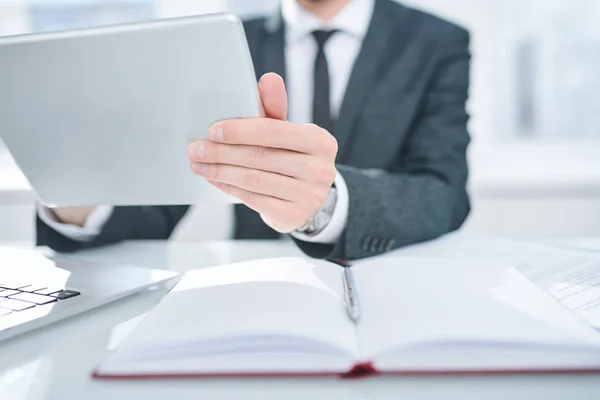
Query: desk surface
[{"x": 55, "y": 363}]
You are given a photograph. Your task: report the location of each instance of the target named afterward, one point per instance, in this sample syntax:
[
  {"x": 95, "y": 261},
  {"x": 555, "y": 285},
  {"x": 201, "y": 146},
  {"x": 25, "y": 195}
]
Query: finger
[
  {"x": 273, "y": 96},
  {"x": 307, "y": 138},
  {"x": 264, "y": 205},
  {"x": 283, "y": 162},
  {"x": 256, "y": 181}
]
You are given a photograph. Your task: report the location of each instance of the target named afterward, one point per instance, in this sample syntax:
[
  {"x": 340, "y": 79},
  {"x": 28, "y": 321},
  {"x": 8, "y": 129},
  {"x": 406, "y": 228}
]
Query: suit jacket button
[
  {"x": 383, "y": 246},
  {"x": 390, "y": 245},
  {"x": 366, "y": 242},
  {"x": 375, "y": 245}
]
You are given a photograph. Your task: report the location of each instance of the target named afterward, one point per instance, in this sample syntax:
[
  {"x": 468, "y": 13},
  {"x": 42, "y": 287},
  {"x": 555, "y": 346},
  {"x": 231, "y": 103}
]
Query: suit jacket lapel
[{"x": 382, "y": 40}]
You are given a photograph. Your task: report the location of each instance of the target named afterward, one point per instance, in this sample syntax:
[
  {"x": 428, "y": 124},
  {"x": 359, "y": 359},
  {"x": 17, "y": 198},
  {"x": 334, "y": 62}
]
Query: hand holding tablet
[{"x": 284, "y": 171}]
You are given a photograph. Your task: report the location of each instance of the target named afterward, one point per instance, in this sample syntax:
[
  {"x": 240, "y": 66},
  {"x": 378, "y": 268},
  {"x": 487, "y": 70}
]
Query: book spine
[{"x": 361, "y": 370}]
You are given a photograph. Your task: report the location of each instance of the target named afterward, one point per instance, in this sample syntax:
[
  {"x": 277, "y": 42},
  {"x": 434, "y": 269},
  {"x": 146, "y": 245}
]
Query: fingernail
[
  {"x": 215, "y": 133},
  {"x": 200, "y": 168},
  {"x": 196, "y": 150},
  {"x": 200, "y": 150}
]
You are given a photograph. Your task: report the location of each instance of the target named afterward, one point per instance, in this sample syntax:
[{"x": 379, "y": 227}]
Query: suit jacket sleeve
[
  {"x": 125, "y": 223},
  {"x": 424, "y": 194}
]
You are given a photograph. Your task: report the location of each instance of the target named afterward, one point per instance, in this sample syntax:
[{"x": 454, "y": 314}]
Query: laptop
[
  {"x": 36, "y": 290},
  {"x": 104, "y": 115}
]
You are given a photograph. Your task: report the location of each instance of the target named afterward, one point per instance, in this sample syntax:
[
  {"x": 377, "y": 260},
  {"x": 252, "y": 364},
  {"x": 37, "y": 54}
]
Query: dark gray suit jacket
[{"x": 402, "y": 134}]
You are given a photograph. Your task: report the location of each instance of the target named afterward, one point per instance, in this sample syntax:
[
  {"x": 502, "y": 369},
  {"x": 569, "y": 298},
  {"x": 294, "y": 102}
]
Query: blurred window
[
  {"x": 552, "y": 51},
  {"x": 47, "y": 15}
]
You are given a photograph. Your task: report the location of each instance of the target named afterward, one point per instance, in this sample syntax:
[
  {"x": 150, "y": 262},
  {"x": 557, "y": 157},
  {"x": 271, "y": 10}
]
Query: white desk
[{"x": 55, "y": 363}]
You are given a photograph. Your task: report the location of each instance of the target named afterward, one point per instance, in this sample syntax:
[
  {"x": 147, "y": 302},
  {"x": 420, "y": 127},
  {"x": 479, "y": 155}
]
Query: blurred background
[{"x": 534, "y": 105}]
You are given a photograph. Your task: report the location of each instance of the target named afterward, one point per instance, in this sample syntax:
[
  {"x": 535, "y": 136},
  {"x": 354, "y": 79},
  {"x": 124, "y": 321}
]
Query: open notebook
[{"x": 288, "y": 316}]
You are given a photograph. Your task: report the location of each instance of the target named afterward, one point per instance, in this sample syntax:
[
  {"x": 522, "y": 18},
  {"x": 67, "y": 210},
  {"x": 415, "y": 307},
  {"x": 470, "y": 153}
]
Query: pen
[{"x": 351, "y": 294}]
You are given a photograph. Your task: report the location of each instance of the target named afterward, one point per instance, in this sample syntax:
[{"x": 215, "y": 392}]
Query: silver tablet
[{"x": 104, "y": 115}]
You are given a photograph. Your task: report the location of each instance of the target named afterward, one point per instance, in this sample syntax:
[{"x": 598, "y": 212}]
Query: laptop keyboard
[{"x": 19, "y": 296}]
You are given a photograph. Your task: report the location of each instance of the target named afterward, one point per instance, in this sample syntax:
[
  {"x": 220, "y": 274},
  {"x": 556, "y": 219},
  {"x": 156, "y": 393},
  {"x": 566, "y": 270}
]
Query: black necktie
[{"x": 321, "y": 94}]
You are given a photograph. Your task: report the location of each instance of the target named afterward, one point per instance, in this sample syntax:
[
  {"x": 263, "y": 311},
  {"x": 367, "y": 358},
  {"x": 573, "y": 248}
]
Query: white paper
[{"x": 570, "y": 275}]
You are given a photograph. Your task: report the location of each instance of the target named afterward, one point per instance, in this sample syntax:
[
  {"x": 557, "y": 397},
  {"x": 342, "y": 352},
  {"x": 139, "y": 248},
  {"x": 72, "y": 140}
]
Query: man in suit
[{"x": 382, "y": 165}]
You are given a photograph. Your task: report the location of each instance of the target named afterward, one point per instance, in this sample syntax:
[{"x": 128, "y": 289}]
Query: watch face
[
  {"x": 321, "y": 220},
  {"x": 322, "y": 217}
]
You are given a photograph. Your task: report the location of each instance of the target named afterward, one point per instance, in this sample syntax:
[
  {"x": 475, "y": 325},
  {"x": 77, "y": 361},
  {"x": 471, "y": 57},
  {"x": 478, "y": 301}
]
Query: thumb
[{"x": 273, "y": 96}]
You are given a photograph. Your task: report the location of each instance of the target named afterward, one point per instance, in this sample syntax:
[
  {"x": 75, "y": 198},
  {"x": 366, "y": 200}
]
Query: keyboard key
[
  {"x": 16, "y": 305},
  {"x": 4, "y": 311},
  {"x": 15, "y": 285},
  {"x": 65, "y": 294},
  {"x": 33, "y": 288},
  {"x": 33, "y": 298},
  {"x": 7, "y": 293},
  {"x": 48, "y": 290}
]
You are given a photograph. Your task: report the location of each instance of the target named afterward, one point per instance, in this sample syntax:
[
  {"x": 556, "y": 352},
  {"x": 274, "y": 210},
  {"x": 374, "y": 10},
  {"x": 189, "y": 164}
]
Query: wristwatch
[{"x": 322, "y": 217}]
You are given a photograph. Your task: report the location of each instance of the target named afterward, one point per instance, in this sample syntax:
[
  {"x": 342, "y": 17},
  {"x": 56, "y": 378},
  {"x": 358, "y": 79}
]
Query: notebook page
[
  {"x": 571, "y": 276},
  {"x": 272, "y": 315},
  {"x": 409, "y": 302}
]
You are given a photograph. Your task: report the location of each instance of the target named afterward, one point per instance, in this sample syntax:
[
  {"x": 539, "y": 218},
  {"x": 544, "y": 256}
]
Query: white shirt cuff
[
  {"x": 92, "y": 227},
  {"x": 332, "y": 232}
]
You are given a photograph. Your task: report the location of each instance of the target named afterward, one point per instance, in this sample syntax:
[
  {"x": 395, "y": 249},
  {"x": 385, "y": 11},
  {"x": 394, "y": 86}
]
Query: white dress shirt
[{"x": 341, "y": 51}]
